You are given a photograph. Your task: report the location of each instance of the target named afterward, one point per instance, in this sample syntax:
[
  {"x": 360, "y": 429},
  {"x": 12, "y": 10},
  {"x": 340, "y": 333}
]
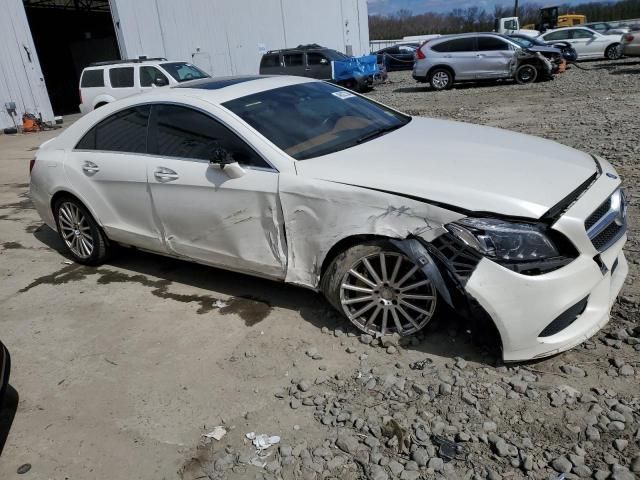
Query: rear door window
[
  {"x": 582, "y": 33},
  {"x": 293, "y": 60},
  {"x": 121, "y": 77},
  {"x": 124, "y": 131},
  {"x": 559, "y": 35},
  {"x": 92, "y": 78},
  {"x": 491, "y": 44},
  {"x": 456, "y": 45}
]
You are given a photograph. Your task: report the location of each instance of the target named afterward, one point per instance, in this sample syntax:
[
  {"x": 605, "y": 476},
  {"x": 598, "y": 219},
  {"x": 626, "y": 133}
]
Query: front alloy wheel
[{"x": 381, "y": 291}]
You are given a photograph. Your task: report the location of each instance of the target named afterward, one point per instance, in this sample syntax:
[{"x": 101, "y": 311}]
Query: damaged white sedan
[{"x": 391, "y": 217}]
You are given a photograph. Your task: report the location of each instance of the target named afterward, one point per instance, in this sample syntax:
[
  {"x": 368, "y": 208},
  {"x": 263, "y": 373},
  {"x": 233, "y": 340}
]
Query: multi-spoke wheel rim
[
  {"x": 75, "y": 230},
  {"x": 440, "y": 80},
  {"x": 615, "y": 52},
  {"x": 386, "y": 292}
]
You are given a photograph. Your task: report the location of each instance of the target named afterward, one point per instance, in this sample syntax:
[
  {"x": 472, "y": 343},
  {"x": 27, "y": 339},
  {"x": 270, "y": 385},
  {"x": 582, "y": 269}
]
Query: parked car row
[{"x": 482, "y": 56}]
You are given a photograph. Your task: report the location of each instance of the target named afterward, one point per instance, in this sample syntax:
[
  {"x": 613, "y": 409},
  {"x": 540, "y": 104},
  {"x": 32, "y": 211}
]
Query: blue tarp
[{"x": 355, "y": 67}]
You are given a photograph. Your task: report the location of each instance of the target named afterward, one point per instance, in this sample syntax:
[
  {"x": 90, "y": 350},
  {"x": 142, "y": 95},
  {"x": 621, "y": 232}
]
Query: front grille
[
  {"x": 608, "y": 222},
  {"x": 565, "y": 319},
  {"x": 608, "y": 236},
  {"x": 600, "y": 212}
]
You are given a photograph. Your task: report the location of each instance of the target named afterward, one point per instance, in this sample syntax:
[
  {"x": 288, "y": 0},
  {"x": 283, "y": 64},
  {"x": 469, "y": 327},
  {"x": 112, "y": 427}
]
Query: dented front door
[
  {"x": 203, "y": 213},
  {"x": 229, "y": 222}
]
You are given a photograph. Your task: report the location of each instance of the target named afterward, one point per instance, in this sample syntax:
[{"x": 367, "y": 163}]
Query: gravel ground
[{"x": 442, "y": 404}]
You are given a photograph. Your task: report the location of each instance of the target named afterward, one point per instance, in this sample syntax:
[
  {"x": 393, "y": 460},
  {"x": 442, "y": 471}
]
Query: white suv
[{"x": 105, "y": 82}]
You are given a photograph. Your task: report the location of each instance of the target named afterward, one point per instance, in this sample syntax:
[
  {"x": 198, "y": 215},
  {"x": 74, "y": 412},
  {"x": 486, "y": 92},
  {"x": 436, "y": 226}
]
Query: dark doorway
[{"x": 69, "y": 35}]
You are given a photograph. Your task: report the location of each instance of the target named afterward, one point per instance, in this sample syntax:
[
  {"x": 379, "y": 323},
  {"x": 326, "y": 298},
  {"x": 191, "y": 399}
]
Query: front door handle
[
  {"x": 90, "y": 168},
  {"x": 164, "y": 174}
]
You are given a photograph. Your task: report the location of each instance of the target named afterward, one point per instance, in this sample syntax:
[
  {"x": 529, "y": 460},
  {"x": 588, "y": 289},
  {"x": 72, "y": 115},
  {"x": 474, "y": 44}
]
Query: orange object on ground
[{"x": 30, "y": 123}]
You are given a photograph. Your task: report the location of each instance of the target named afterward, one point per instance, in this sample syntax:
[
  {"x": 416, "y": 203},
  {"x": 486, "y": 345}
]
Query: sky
[{"x": 386, "y": 7}]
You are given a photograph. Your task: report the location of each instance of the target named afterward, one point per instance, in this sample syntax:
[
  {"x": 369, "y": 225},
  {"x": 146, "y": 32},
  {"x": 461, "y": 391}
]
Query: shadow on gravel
[
  {"x": 7, "y": 414},
  {"x": 614, "y": 65},
  {"x": 253, "y": 298},
  {"x": 626, "y": 71}
]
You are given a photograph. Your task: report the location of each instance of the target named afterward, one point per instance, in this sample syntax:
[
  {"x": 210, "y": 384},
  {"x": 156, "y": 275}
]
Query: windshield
[
  {"x": 523, "y": 42},
  {"x": 313, "y": 119},
  {"x": 183, "y": 72}
]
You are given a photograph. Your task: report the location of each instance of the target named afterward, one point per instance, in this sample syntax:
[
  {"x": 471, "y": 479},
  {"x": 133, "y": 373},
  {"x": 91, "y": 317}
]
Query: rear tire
[
  {"x": 614, "y": 52},
  {"x": 83, "y": 238},
  {"x": 526, "y": 74},
  {"x": 441, "y": 79},
  {"x": 380, "y": 290}
]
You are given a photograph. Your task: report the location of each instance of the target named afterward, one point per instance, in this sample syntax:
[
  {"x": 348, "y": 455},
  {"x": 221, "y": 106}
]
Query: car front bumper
[{"x": 523, "y": 306}]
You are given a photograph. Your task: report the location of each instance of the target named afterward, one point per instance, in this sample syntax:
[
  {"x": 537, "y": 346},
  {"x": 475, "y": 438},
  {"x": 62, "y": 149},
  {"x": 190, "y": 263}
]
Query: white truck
[{"x": 511, "y": 25}]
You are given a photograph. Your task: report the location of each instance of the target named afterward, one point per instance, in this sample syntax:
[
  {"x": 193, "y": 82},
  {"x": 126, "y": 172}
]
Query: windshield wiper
[{"x": 377, "y": 133}]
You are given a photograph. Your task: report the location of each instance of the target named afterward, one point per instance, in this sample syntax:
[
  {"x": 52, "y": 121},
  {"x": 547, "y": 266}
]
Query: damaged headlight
[{"x": 502, "y": 240}]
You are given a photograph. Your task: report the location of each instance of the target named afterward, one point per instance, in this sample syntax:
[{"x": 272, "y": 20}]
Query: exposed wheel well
[
  {"x": 438, "y": 67},
  {"x": 63, "y": 194},
  {"x": 100, "y": 104},
  {"x": 343, "y": 245}
]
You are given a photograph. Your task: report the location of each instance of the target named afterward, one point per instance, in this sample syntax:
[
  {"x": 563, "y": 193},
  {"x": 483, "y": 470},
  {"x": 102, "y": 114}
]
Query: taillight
[
  {"x": 629, "y": 38},
  {"x": 32, "y": 164},
  {"x": 80, "y": 93},
  {"x": 420, "y": 54}
]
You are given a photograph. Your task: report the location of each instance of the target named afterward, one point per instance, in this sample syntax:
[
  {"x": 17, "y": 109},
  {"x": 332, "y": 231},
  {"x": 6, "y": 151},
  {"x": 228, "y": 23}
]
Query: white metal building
[{"x": 45, "y": 44}]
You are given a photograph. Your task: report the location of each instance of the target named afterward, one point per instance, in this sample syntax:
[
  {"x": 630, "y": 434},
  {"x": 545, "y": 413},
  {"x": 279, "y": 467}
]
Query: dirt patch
[{"x": 11, "y": 246}]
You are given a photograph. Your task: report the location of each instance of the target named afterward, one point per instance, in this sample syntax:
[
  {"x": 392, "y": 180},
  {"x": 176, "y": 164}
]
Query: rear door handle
[
  {"x": 164, "y": 174},
  {"x": 90, "y": 168}
]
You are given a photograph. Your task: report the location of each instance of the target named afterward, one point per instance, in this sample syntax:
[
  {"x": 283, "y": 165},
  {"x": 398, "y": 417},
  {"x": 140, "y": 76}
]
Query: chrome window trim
[{"x": 179, "y": 104}]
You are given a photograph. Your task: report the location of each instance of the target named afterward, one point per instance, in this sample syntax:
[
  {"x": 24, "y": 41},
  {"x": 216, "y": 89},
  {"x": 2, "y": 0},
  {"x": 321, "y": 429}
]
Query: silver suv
[{"x": 470, "y": 56}]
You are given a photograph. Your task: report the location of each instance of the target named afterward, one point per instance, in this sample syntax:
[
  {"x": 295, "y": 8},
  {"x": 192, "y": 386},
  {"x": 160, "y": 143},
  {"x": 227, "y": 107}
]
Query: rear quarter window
[
  {"x": 92, "y": 78},
  {"x": 270, "y": 61}
]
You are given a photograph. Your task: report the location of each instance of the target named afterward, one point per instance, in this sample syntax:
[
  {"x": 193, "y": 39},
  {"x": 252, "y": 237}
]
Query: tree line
[{"x": 475, "y": 19}]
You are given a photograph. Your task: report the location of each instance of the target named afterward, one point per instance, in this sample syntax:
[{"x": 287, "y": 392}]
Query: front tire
[
  {"x": 80, "y": 233},
  {"x": 380, "y": 290},
  {"x": 441, "y": 79},
  {"x": 526, "y": 74},
  {"x": 614, "y": 52}
]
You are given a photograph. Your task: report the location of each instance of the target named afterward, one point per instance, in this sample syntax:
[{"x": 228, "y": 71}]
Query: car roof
[{"x": 222, "y": 89}]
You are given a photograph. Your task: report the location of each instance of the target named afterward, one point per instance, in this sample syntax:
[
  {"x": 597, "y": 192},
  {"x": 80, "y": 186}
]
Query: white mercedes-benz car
[{"x": 392, "y": 217}]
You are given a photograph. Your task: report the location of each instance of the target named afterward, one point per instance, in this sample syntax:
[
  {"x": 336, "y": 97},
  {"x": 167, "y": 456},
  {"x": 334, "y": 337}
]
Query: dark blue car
[{"x": 397, "y": 57}]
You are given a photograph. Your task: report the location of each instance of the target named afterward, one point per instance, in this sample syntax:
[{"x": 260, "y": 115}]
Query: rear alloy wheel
[
  {"x": 80, "y": 233},
  {"x": 526, "y": 74},
  {"x": 614, "y": 52},
  {"x": 441, "y": 79},
  {"x": 380, "y": 290}
]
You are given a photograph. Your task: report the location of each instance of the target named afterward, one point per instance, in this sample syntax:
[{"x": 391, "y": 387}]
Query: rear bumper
[
  {"x": 523, "y": 306},
  {"x": 632, "y": 50}
]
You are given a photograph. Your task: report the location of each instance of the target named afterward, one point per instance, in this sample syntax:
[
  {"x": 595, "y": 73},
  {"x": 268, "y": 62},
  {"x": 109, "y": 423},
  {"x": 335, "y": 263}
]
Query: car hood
[
  {"x": 541, "y": 49},
  {"x": 464, "y": 166}
]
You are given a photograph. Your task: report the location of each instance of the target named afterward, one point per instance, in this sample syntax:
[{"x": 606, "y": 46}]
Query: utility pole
[{"x": 515, "y": 9}]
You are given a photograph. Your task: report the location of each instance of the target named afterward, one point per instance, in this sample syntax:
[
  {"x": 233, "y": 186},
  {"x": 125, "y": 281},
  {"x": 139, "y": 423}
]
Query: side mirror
[
  {"x": 160, "y": 82},
  {"x": 223, "y": 159}
]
